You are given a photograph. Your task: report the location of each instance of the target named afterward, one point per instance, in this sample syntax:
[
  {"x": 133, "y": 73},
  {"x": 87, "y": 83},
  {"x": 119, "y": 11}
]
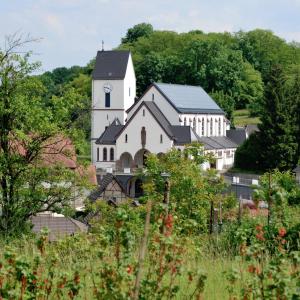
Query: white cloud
[{"x": 54, "y": 23}]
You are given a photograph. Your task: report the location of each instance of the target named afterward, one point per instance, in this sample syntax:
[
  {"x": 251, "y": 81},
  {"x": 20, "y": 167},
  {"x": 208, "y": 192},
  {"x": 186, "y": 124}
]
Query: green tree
[
  {"x": 149, "y": 70},
  {"x": 191, "y": 190},
  {"x": 29, "y": 131},
  {"x": 251, "y": 89},
  {"x": 226, "y": 102},
  {"x": 137, "y": 31},
  {"x": 276, "y": 145},
  {"x": 277, "y": 134},
  {"x": 262, "y": 49}
]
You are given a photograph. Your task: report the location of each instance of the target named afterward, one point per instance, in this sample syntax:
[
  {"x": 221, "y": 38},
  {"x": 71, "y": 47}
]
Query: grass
[
  {"x": 82, "y": 255},
  {"x": 242, "y": 117}
]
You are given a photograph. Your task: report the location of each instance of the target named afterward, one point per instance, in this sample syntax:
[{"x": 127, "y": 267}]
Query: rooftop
[
  {"x": 189, "y": 99},
  {"x": 111, "y": 64}
]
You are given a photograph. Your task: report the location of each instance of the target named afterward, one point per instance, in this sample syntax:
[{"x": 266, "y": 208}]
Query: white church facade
[{"x": 166, "y": 116}]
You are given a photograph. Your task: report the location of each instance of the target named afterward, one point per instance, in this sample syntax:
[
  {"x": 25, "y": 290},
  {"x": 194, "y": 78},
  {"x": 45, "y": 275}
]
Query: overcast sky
[{"x": 72, "y": 30}]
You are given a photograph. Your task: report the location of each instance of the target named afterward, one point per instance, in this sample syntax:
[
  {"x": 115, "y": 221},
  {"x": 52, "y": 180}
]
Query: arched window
[
  {"x": 202, "y": 126},
  {"x": 184, "y": 122},
  {"x": 194, "y": 123},
  {"x": 98, "y": 154},
  {"x": 143, "y": 136},
  {"x": 211, "y": 126},
  {"x": 161, "y": 138},
  {"x": 104, "y": 154},
  {"x": 219, "y": 126},
  {"x": 112, "y": 154},
  {"x": 126, "y": 138},
  {"x": 107, "y": 99}
]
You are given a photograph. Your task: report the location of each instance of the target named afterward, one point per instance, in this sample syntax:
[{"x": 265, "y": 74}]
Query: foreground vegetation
[
  {"x": 244, "y": 262},
  {"x": 171, "y": 246}
]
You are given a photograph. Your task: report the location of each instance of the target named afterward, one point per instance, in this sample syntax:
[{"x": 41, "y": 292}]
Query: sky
[{"x": 71, "y": 31}]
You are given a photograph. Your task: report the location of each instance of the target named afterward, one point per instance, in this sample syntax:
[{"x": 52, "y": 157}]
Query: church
[{"x": 125, "y": 128}]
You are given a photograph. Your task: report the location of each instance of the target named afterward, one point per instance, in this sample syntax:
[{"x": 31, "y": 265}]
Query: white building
[{"x": 166, "y": 116}]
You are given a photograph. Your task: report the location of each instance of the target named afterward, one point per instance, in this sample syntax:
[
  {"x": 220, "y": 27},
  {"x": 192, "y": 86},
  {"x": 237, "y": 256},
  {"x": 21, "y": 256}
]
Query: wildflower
[
  {"x": 260, "y": 236},
  {"x": 76, "y": 278},
  {"x": 169, "y": 221},
  {"x": 129, "y": 269},
  {"x": 282, "y": 232},
  {"x": 258, "y": 271},
  {"x": 259, "y": 227},
  {"x": 251, "y": 269}
]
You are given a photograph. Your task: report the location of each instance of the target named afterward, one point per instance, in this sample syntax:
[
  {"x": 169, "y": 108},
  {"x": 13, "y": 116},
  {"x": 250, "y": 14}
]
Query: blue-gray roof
[
  {"x": 217, "y": 142},
  {"x": 111, "y": 64},
  {"x": 189, "y": 99}
]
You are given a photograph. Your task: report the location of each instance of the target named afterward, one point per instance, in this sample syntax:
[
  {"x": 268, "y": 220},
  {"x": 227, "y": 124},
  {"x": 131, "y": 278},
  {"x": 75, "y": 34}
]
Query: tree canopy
[{"x": 31, "y": 132}]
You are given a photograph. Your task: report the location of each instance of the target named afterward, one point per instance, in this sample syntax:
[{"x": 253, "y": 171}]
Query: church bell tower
[{"x": 113, "y": 91}]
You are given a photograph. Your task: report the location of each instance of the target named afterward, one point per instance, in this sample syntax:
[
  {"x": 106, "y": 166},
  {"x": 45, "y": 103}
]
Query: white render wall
[
  {"x": 188, "y": 120},
  {"x": 120, "y": 101},
  {"x": 174, "y": 117},
  {"x": 129, "y": 83},
  {"x": 133, "y": 131},
  {"x": 100, "y": 163},
  {"x": 167, "y": 109}
]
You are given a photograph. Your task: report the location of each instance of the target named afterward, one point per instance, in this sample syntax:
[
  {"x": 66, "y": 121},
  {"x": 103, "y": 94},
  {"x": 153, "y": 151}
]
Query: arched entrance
[
  {"x": 138, "y": 188},
  {"x": 141, "y": 157},
  {"x": 126, "y": 160},
  {"x": 135, "y": 187}
]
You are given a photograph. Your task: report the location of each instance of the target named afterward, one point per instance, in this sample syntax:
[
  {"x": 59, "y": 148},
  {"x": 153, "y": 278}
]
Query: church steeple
[{"x": 113, "y": 89}]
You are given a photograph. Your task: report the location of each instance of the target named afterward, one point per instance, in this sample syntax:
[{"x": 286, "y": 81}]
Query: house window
[
  {"x": 194, "y": 123},
  {"x": 202, "y": 126},
  {"x": 220, "y": 153},
  {"x": 143, "y": 136},
  {"x": 107, "y": 99},
  {"x": 112, "y": 154},
  {"x": 144, "y": 113},
  {"x": 104, "y": 154},
  {"x": 152, "y": 97},
  {"x": 126, "y": 138},
  {"x": 98, "y": 154},
  {"x": 219, "y": 126},
  {"x": 211, "y": 126},
  {"x": 184, "y": 122},
  {"x": 161, "y": 138}
]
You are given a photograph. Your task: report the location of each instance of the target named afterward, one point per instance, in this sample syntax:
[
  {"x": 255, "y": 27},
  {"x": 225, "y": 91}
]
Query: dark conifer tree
[{"x": 277, "y": 136}]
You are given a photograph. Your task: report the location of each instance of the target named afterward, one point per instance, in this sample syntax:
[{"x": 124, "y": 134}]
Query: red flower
[
  {"x": 260, "y": 236},
  {"x": 258, "y": 227},
  {"x": 169, "y": 221},
  {"x": 282, "y": 232},
  {"x": 251, "y": 269},
  {"x": 129, "y": 269}
]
